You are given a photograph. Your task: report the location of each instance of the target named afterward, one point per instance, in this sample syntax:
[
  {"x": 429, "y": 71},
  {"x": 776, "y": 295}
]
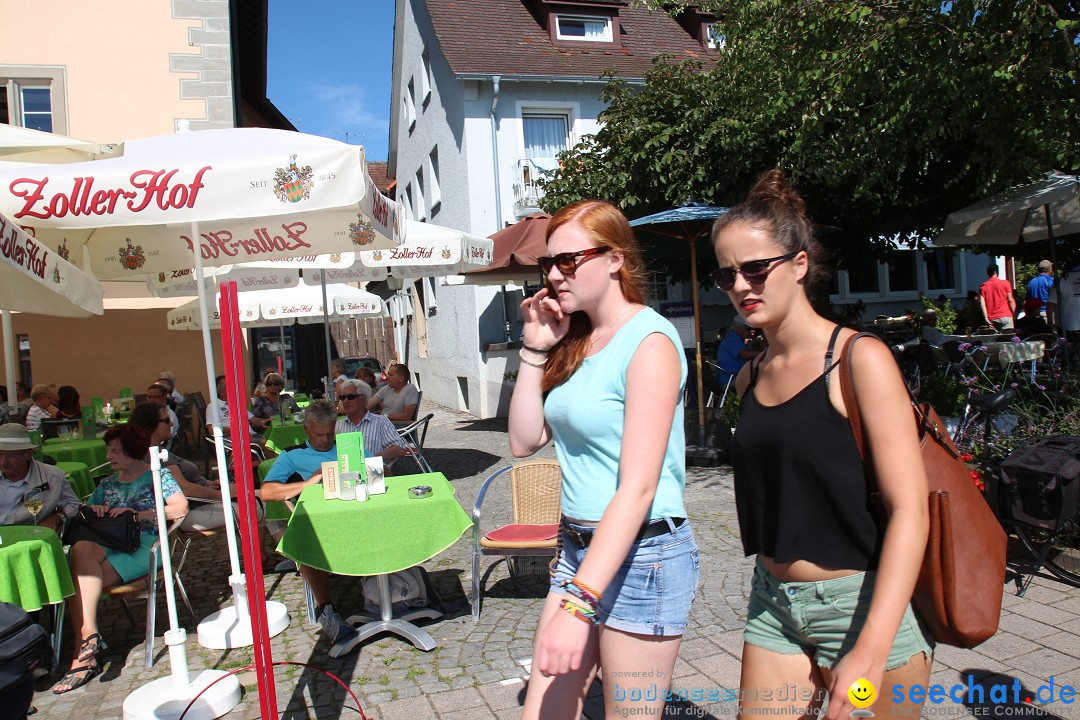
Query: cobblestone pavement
[{"x": 478, "y": 670}]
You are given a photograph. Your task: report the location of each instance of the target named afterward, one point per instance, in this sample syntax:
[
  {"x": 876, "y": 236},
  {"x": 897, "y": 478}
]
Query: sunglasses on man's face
[
  {"x": 568, "y": 262},
  {"x": 755, "y": 271},
  {"x": 350, "y": 396}
]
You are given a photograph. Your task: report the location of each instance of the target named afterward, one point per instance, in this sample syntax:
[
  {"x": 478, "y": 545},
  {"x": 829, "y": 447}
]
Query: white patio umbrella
[
  {"x": 19, "y": 144},
  {"x": 1038, "y": 212},
  {"x": 245, "y": 194},
  {"x": 34, "y": 279}
]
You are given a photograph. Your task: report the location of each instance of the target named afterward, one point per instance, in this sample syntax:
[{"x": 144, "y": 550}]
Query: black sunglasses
[
  {"x": 567, "y": 262},
  {"x": 350, "y": 396},
  {"x": 755, "y": 271},
  {"x": 275, "y": 383}
]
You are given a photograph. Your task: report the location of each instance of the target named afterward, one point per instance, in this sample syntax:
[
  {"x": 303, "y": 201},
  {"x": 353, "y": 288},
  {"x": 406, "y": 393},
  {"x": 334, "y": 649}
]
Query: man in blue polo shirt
[
  {"x": 293, "y": 471},
  {"x": 1038, "y": 290}
]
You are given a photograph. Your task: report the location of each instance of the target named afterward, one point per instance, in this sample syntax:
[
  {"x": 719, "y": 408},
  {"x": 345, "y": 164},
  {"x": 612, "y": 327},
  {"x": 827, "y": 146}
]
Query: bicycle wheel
[{"x": 1063, "y": 557}]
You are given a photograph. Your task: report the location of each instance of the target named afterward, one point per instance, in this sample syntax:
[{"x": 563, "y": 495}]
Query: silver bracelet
[{"x": 521, "y": 356}]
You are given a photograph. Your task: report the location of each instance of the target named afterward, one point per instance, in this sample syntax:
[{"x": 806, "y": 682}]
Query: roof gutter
[
  {"x": 495, "y": 149},
  {"x": 582, "y": 79}
]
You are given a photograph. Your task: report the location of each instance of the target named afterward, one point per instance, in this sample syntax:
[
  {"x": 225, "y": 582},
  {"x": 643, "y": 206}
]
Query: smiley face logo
[{"x": 862, "y": 693}]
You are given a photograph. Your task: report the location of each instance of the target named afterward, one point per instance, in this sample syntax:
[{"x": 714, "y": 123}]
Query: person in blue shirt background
[
  {"x": 733, "y": 351},
  {"x": 1038, "y": 289}
]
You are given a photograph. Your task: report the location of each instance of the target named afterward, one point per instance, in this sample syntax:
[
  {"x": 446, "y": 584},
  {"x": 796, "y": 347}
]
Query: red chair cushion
[{"x": 524, "y": 533}]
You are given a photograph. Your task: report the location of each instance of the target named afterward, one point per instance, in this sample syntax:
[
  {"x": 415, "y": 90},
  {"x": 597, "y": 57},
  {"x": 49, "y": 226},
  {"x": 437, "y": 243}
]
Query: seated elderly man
[
  {"x": 44, "y": 398},
  {"x": 159, "y": 394},
  {"x": 293, "y": 471},
  {"x": 380, "y": 436},
  {"x": 399, "y": 398},
  {"x": 176, "y": 398},
  {"x": 19, "y": 472}
]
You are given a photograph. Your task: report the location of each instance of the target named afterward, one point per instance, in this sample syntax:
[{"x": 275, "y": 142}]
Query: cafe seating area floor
[{"x": 478, "y": 669}]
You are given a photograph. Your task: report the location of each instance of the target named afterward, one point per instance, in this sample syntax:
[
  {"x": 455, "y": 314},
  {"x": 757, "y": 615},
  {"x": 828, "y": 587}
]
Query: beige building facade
[{"x": 110, "y": 71}]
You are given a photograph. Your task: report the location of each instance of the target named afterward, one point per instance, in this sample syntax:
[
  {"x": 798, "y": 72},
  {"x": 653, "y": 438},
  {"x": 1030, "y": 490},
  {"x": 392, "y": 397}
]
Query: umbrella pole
[
  {"x": 1060, "y": 319},
  {"x": 229, "y": 627},
  {"x": 326, "y": 338},
  {"x": 10, "y": 358},
  {"x": 281, "y": 354},
  {"x": 697, "y": 342}
]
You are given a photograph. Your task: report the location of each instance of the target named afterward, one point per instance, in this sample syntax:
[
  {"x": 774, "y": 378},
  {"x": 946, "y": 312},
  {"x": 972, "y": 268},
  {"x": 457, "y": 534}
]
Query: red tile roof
[
  {"x": 487, "y": 37},
  {"x": 377, "y": 171}
]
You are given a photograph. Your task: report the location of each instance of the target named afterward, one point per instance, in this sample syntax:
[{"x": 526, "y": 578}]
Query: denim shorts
[
  {"x": 654, "y": 587},
  {"x": 823, "y": 619}
]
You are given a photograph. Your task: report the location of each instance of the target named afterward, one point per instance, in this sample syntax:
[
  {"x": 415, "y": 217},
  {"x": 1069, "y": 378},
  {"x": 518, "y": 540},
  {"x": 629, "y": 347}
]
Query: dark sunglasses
[
  {"x": 350, "y": 396},
  {"x": 755, "y": 271},
  {"x": 275, "y": 383},
  {"x": 568, "y": 262}
]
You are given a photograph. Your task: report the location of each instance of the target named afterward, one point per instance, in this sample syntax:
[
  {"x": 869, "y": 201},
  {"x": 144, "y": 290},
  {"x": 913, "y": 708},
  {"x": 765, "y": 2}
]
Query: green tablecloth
[
  {"x": 33, "y": 569},
  {"x": 280, "y": 436},
  {"x": 79, "y": 477},
  {"x": 301, "y": 398},
  {"x": 89, "y": 452},
  {"x": 386, "y": 534}
]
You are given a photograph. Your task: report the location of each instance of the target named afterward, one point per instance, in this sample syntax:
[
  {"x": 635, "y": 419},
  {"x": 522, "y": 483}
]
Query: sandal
[
  {"x": 91, "y": 647},
  {"x": 76, "y": 677}
]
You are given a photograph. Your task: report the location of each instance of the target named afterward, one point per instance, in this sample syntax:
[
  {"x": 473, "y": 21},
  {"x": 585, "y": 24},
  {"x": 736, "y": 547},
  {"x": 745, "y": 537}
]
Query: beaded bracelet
[
  {"x": 573, "y": 590},
  {"x": 521, "y": 356},
  {"x": 586, "y": 588},
  {"x": 535, "y": 350},
  {"x": 583, "y": 614}
]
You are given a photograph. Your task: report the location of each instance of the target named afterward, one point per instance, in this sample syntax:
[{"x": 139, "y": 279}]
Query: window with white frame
[
  {"x": 862, "y": 275},
  {"x": 33, "y": 97},
  {"x": 433, "y": 188},
  {"x": 586, "y": 28},
  {"x": 546, "y": 135},
  {"x": 408, "y": 100},
  {"x": 902, "y": 271},
  {"x": 421, "y": 208},
  {"x": 714, "y": 39},
  {"x": 941, "y": 269},
  {"x": 425, "y": 78}
]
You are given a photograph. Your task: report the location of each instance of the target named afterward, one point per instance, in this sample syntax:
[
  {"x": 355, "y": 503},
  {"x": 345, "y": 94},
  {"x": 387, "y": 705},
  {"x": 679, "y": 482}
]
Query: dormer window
[
  {"x": 714, "y": 39},
  {"x": 583, "y": 28}
]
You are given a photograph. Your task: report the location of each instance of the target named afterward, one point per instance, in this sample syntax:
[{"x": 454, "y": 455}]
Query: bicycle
[{"x": 1052, "y": 539}]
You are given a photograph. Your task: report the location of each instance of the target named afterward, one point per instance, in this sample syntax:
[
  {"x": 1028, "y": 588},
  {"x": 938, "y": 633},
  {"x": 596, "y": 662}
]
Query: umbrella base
[{"x": 705, "y": 456}]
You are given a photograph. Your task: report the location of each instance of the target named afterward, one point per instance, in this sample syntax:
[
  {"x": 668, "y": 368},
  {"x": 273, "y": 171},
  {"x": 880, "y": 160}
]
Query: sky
[{"x": 329, "y": 66}]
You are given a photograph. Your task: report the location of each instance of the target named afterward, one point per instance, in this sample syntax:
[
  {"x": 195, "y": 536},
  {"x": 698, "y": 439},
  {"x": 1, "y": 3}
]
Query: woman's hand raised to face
[{"x": 545, "y": 322}]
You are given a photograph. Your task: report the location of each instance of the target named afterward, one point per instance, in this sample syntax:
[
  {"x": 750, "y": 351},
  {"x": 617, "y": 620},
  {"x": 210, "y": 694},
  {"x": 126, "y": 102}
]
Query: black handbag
[{"x": 123, "y": 532}]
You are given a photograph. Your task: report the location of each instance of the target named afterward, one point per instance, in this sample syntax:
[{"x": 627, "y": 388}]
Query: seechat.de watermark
[{"x": 996, "y": 699}]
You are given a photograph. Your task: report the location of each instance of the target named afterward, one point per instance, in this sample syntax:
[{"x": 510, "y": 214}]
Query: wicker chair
[{"x": 535, "y": 489}]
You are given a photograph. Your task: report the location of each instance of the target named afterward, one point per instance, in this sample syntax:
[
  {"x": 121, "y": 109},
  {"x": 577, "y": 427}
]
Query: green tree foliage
[{"x": 887, "y": 115}]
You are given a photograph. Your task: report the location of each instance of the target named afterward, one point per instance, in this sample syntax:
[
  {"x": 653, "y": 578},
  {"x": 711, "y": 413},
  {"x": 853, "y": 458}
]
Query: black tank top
[{"x": 800, "y": 487}]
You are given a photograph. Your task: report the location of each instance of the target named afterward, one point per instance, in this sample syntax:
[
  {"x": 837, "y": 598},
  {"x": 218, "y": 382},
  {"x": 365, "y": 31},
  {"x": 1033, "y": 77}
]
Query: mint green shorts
[{"x": 823, "y": 619}]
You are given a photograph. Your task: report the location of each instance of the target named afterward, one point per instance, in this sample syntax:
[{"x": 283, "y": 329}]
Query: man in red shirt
[{"x": 996, "y": 299}]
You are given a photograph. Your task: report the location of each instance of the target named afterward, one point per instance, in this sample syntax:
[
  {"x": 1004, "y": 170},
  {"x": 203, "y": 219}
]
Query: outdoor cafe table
[
  {"x": 385, "y": 534},
  {"x": 89, "y": 452},
  {"x": 79, "y": 478},
  {"x": 280, "y": 436},
  {"x": 34, "y": 573}
]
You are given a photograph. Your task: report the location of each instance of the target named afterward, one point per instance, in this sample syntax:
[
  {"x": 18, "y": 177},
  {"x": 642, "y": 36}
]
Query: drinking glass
[{"x": 33, "y": 499}]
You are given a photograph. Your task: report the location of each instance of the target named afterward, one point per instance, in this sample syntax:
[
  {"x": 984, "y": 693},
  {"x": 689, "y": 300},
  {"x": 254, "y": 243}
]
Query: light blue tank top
[{"x": 586, "y": 415}]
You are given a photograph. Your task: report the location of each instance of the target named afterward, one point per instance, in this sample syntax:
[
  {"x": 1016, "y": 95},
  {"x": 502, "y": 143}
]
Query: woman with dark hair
[
  {"x": 204, "y": 498},
  {"x": 129, "y": 490},
  {"x": 68, "y": 405},
  {"x": 602, "y": 375},
  {"x": 831, "y": 590}
]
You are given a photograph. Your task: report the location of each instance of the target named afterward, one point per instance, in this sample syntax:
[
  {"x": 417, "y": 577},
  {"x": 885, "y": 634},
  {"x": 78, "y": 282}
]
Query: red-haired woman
[
  {"x": 602, "y": 375},
  {"x": 129, "y": 490},
  {"x": 830, "y": 596}
]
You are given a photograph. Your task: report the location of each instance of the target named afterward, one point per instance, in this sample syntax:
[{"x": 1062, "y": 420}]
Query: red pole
[{"x": 236, "y": 384}]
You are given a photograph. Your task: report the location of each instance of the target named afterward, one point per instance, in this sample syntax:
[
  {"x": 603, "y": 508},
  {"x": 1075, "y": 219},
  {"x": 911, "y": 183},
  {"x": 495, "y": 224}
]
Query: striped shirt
[{"x": 379, "y": 432}]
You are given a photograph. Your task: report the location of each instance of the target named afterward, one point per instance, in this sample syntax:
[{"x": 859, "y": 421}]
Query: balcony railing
[{"x": 528, "y": 172}]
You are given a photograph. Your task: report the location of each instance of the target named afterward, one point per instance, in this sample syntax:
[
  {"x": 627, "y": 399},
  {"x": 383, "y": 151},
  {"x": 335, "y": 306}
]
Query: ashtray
[{"x": 420, "y": 491}]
